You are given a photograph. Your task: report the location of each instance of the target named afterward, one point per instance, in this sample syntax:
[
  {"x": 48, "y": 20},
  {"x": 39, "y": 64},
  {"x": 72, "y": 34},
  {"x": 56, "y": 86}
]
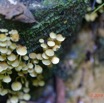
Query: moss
[{"x": 64, "y": 19}]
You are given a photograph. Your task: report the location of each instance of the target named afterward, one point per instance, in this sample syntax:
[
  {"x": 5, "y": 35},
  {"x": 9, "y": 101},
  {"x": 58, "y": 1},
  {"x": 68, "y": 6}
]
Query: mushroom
[
  {"x": 3, "y": 30},
  {"x": 14, "y": 99},
  {"x": 41, "y": 40},
  {"x": 39, "y": 56},
  {"x": 49, "y": 52},
  {"x": 26, "y": 97},
  {"x": 52, "y": 35},
  {"x": 60, "y": 38},
  {"x": 45, "y": 56},
  {"x": 56, "y": 47},
  {"x": 7, "y": 79},
  {"x": 11, "y": 57},
  {"x": 3, "y": 37},
  {"x": 46, "y": 62},
  {"x": 51, "y": 43},
  {"x": 44, "y": 46},
  {"x": 16, "y": 63},
  {"x": 3, "y": 50},
  {"x": 21, "y": 50},
  {"x": 38, "y": 69},
  {"x": 32, "y": 55},
  {"x": 16, "y": 86},
  {"x": 55, "y": 60}
]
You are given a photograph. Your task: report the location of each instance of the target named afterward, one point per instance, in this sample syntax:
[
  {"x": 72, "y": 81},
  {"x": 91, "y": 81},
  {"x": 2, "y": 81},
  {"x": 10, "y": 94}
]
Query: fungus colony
[{"x": 16, "y": 65}]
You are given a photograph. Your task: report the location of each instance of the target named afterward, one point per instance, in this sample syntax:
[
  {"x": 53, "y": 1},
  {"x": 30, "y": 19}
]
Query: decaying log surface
[{"x": 60, "y": 90}]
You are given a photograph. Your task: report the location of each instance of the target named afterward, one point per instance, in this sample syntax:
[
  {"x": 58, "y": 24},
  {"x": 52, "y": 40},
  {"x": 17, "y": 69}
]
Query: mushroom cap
[
  {"x": 55, "y": 60},
  {"x": 3, "y": 44},
  {"x": 30, "y": 65},
  {"x": 46, "y": 62},
  {"x": 16, "y": 86},
  {"x": 33, "y": 74},
  {"x": 13, "y": 46},
  {"x": 52, "y": 35},
  {"x": 3, "y": 30},
  {"x": 41, "y": 40},
  {"x": 7, "y": 79},
  {"x": 11, "y": 57},
  {"x": 2, "y": 57},
  {"x": 15, "y": 37},
  {"x": 26, "y": 89},
  {"x": 3, "y": 92},
  {"x": 44, "y": 46},
  {"x": 3, "y": 50},
  {"x": 45, "y": 56},
  {"x": 39, "y": 56},
  {"x": 3, "y": 37},
  {"x": 9, "y": 52},
  {"x": 14, "y": 99},
  {"x": 38, "y": 69},
  {"x": 49, "y": 52},
  {"x": 51, "y": 43},
  {"x": 56, "y": 47},
  {"x": 21, "y": 50},
  {"x": 26, "y": 97},
  {"x": 60, "y": 38},
  {"x": 35, "y": 61},
  {"x": 32, "y": 55},
  {"x": 3, "y": 66},
  {"x": 16, "y": 63},
  {"x": 26, "y": 57}
]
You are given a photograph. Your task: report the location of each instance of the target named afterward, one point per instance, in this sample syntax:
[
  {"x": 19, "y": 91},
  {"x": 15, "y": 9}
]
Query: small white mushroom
[
  {"x": 46, "y": 62},
  {"x": 7, "y": 79},
  {"x": 15, "y": 63},
  {"x": 3, "y": 30},
  {"x": 49, "y": 52},
  {"x": 41, "y": 40},
  {"x": 60, "y": 38},
  {"x": 56, "y": 47},
  {"x": 30, "y": 65},
  {"x": 3, "y": 66},
  {"x": 44, "y": 46},
  {"x": 45, "y": 56},
  {"x": 26, "y": 97},
  {"x": 11, "y": 57},
  {"x": 16, "y": 86},
  {"x": 51, "y": 43},
  {"x": 3, "y": 37},
  {"x": 26, "y": 57},
  {"x": 55, "y": 60},
  {"x": 21, "y": 50},
  {"x": 14, "y": 99},
  {"x": 32, "y": 55},
  {"x": 13, "y": 46},
  {"x": 3, "y": 50},
  {"x": 39, "y": 56},
  {"x": 52, "y": 35},
  {"x": 38, "y": 69}
]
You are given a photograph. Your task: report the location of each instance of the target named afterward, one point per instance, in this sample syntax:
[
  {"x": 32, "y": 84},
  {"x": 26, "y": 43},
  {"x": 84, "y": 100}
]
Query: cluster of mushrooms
[
  {"x": 16, "y": 65},
  {"x": 91, "y": 16}
]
